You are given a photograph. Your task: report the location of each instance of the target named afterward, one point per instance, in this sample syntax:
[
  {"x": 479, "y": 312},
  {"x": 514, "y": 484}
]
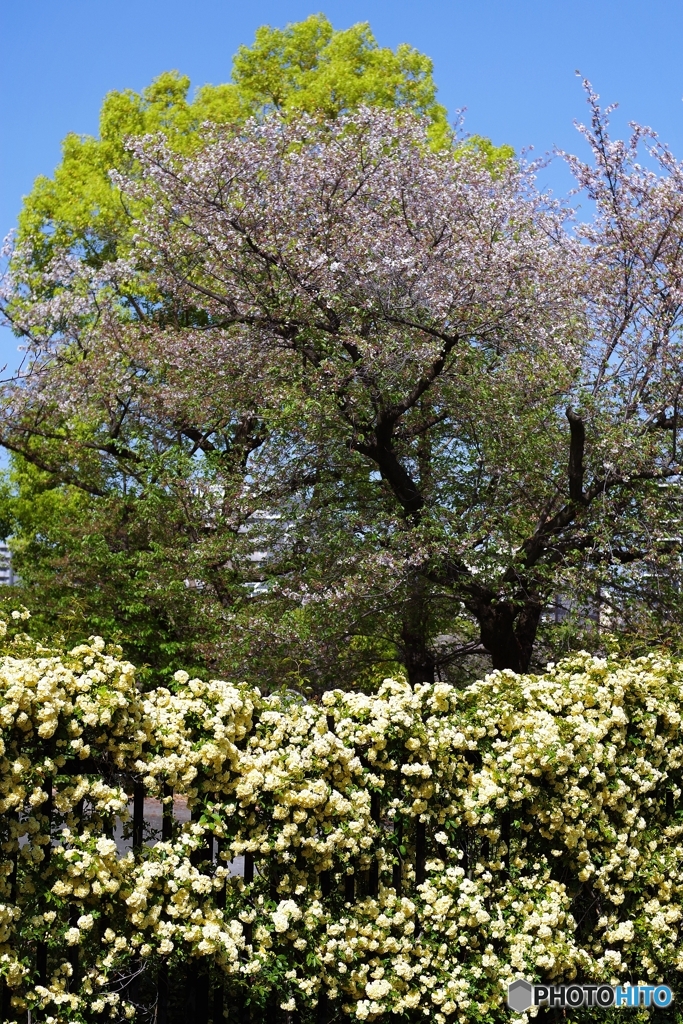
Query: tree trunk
[
  {"x": 417, "y": 657},
  {"x": 508, "y": 631},
  {"x": 420, "y": 666}
]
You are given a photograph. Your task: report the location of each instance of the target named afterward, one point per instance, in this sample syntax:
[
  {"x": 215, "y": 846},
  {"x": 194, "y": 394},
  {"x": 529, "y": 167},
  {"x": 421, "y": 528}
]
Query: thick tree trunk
[
  {"x": 417, "y": 657},
  {"x": 508, "y": 631},
  {"x": 420, "y": 666}
]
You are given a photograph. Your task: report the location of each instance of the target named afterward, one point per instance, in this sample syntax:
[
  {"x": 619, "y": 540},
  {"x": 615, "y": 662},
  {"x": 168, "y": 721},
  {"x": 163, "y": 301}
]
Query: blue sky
[{"x": 511, "y": 63}]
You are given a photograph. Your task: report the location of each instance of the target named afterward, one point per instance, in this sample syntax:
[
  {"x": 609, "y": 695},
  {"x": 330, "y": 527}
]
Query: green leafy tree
[
  {"x": 98, "y": 564},
  {"x": 385, "y": 403},
  {"x": 96, "y": 556},
  {"x": 306, "y": 67},
  {"x": 128, "y": 553}
]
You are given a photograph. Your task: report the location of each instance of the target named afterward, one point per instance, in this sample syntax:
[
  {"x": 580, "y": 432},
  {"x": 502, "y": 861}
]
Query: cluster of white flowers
[{"x": 412, "y": 850}]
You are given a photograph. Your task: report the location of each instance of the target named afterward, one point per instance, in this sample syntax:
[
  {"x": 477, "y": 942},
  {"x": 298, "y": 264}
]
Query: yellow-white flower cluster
[{"x": 412, "y": 850}]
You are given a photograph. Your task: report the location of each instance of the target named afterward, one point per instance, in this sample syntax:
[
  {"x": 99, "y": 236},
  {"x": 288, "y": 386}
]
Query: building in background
[{"x": 7, "y": 577}]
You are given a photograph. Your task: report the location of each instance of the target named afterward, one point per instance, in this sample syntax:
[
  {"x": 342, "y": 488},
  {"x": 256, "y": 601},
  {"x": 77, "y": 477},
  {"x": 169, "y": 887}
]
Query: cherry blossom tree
[{"x": 400, "y": 400}]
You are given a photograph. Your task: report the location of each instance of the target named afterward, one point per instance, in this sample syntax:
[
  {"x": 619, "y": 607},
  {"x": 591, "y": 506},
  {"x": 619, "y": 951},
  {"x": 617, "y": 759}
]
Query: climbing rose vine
[{"x": 525, "y": 826}]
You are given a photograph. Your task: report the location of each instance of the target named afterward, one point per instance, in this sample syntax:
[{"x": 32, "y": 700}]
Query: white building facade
[{"x": 7, "y": 577}]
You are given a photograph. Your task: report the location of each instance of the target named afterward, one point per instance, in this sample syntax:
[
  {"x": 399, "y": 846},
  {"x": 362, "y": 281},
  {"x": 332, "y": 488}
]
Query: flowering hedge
[{"x": 413, "y": 850}]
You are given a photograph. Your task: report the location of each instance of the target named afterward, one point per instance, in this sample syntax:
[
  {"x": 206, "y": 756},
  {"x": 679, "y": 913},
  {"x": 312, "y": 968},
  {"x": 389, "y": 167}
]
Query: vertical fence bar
[
  {"x": 322, "y": 1009},
  {"x": 218, "y": 1010},
  {"x": 248, "y": 879},
  {"x": 41, "y": 962},
  {"x": 420, "y": 851},
  {"x": 196, "y": 856},
  {"x": 41, "y": 951},
  {"x": 205, "y": 852},
  {"x": 162, "y": 995},
  {"x": 373, "y": 880},
  {"x": 197, "y": 1009},
  {"x": 397, "y": 873},
  {"x": 6, "y": 1002},
  {"x": 7, "y": 1014},
  {"x": 201, "y": 998},
  {"x": 505, "y": 826},
  {"x": 166, "y": 813},
  {"x": 220, "y": 895},
  {"x": 191, "y": 991},
  {"x": 138, "y": 835},
  {"x": 350, "y": 887},
  {"x": 14, "y": 828},
  {"x": 138, "y": 815},
  {"x": 218, "y": 1001},
  {"x": 72, "y": 954},
  {"x": 420, "y": 858},
  {"x": 73, "y": 909},
  {"x": 248, "y": 868}
]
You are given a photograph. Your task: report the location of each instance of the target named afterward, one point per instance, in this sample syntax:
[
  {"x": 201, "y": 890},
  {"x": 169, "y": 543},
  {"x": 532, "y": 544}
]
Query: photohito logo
[{"x": 522, "y": 994}]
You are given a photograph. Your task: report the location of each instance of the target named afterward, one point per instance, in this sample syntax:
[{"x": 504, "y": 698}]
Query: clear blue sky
[{"x": 511, "y": 63}]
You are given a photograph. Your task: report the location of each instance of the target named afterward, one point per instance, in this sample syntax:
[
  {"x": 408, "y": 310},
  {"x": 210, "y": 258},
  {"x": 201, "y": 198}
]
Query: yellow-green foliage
[
  {"x": 549, "y": 804},
  {"x": 305, "y": 67},
  {"x": 310, "y": 67}
]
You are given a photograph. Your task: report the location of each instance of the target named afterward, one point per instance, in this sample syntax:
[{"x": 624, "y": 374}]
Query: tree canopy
[
  {"x": 375, "y": 404},
  {"x": 109, "y": 562},
  {"x": 306, "y": 67}
]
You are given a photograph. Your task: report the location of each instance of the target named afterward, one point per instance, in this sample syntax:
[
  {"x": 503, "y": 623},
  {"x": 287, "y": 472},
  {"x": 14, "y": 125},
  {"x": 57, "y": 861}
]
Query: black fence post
[
  {"x": 14, "y": 823},
  {"x": 205, "y": 852},
  {"x": 190, "y": 991},
  {"x": 138, "y": 836},
  {"x": 166, "y": 813},
  {"x": 41, "y": 962},
  {"x": 138, "y": 815},
  {"x": 6, "y": 1002},
  {"x": 202, "y": 995},
  {"x": 248, "y": 879},
  {"x": 73, "y": 950},
  {"x": 220, "y": 895},
  {"x": 420, "y": 867},
  {"x": 420, "y": 852},
  {"x": 248, "y": 868},
  {"x": 162, "y": 995},
  {"x": 218, "y": 1008},
  {"x": 350, "y": 886},
  {"x": 322, "y": 1010},
  {"x": 197, "y": 993},
  {"x": 373, "y": 879},
  {"x": 505, "y": 828},
  {"x": 397, "y": 873},
  {"x": 77, "y": 812},
  {"x": 41, "y": 951}
]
